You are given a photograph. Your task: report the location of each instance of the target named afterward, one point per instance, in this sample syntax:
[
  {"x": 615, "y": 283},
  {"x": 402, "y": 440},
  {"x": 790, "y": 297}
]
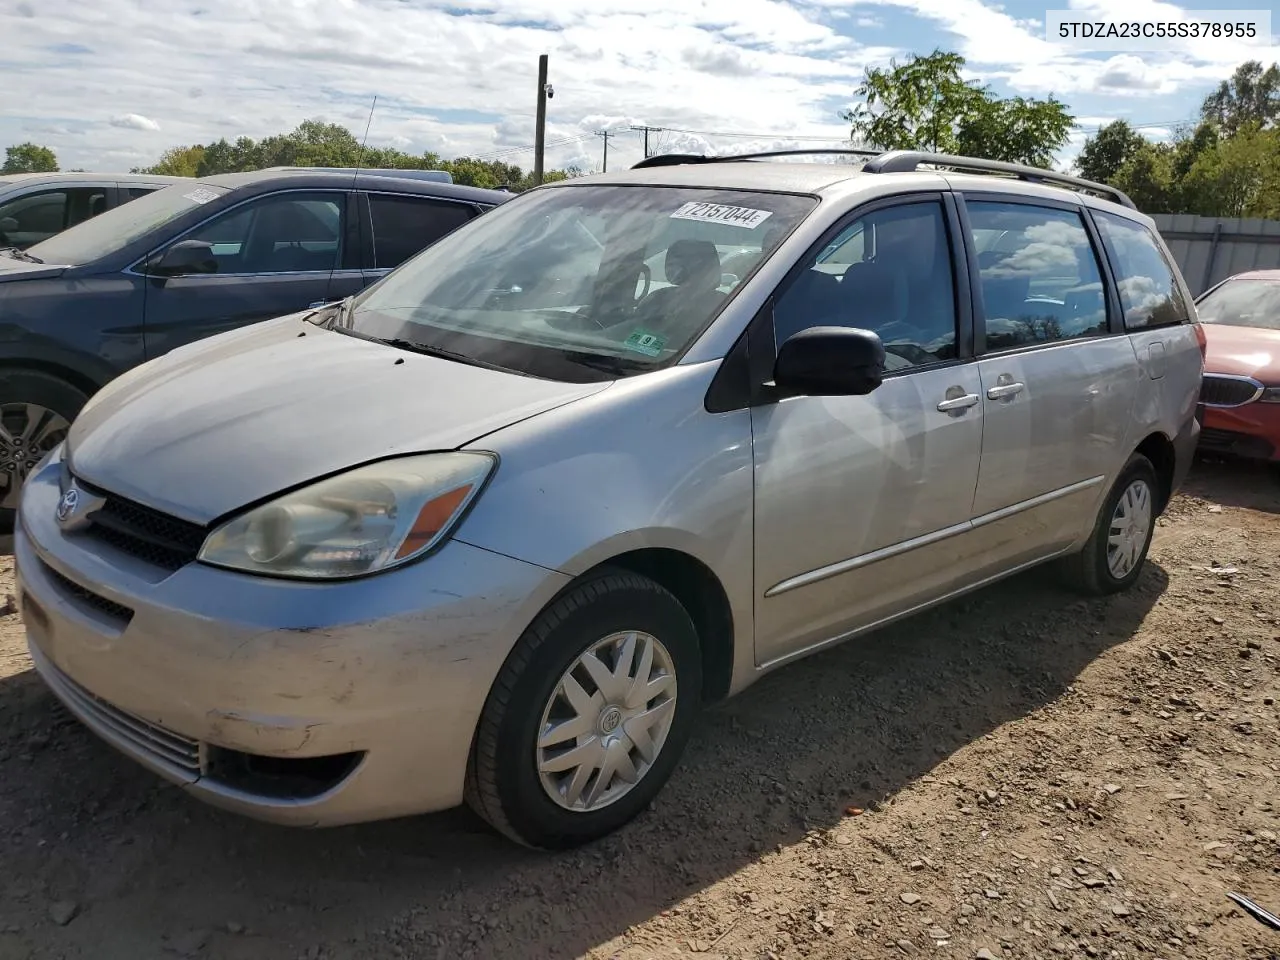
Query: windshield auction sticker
[
  {"x": 719, "y": 213},
  {"x": 641, "y": 341},
  {"x": 200, "y": 195}
]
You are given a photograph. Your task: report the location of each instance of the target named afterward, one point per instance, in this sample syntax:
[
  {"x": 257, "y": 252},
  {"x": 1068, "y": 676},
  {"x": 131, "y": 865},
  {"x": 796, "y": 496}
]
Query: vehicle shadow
[
  {"x": 148, "y": 866},
  {"x": 1235, "y": 483}
]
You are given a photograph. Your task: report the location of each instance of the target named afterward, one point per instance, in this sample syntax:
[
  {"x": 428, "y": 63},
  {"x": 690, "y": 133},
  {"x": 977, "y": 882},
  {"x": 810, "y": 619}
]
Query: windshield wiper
[
  {"x": 424, "y": 348},
  {"x": 618, "y": 366},
  {"x": 17, "y": 254}
]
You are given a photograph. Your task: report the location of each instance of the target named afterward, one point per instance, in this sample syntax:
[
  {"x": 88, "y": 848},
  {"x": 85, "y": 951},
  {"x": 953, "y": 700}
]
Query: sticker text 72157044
[{"x": 721, "y": 213}]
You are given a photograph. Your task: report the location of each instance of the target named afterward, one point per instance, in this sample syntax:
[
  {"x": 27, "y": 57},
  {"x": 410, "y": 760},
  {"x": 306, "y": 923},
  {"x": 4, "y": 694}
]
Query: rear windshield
[
  {"x": 1243, "y": 303},
  {"x": 116, "y": 229},
  {"x": 581, "y": 282}
]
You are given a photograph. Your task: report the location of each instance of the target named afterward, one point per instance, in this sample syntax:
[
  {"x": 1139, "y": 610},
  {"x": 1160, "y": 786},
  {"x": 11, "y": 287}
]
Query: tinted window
[
  {"x": 283, "y": 233},
  {"x": 579, "y": 282},
  {"x": 1149, "y": 293},
  {"x": 888, "y": 271},
  {"x": 1040, "y": 278},
  {"x": 133, "y": 193},
  {"x": 34, "y": 218},
  {"x": 402, "y": 226},
  {"x": 1242, "y": 303}
]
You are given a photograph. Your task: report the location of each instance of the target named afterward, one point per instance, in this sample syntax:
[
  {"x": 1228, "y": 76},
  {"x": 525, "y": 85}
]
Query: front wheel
[
  {"x": 1112, "y": 559},
  {"x": 36, "y": 410},
  {"x": 589, "y": 715}
]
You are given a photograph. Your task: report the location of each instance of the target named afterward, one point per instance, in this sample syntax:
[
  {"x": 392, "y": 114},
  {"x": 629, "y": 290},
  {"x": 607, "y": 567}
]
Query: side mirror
[
  {"x": 830, "y": 362},
  {"x": 186, "y": 257}
]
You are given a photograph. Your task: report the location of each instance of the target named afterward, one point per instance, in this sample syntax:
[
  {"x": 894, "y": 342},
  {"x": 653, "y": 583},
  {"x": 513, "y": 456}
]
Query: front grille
[
  {"x": 1226, "y": 391},
  {"x": 141, "y": 735},
  {"x": 1231, "y": 443},
  {"x": 115, "y": 611},
  {"x": 145, "y": 533}
]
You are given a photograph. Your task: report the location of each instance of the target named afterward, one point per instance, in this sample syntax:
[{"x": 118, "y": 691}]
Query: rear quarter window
[{"x": 1150, "y": 294}]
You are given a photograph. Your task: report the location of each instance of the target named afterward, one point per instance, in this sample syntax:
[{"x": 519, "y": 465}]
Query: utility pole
[
  {"x": 605, "y": 134},
  {"x": 640, "y": 128},
  {"x": 540, "y": 130}
]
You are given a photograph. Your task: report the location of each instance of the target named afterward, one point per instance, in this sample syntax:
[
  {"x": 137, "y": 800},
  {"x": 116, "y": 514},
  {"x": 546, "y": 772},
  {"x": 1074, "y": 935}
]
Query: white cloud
[
  {"x": 459, "y": 76},
  {"x": 134, "y": 121}
]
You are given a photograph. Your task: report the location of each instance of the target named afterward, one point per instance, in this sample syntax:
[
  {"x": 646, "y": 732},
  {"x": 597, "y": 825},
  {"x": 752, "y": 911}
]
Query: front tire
[
  {"x": 1112, "y": 559},
  {"x": 36, "y": 411},
  {"x": 589, "y": 715}
]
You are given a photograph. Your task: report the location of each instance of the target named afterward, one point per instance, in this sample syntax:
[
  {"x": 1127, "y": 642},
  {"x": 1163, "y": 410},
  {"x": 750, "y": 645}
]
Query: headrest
[{"x": 693, "y": 262}]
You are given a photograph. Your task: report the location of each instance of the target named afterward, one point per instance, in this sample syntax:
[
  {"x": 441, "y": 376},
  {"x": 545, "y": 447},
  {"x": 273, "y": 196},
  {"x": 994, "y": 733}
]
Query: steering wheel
[{"x": 910, "y": 352}]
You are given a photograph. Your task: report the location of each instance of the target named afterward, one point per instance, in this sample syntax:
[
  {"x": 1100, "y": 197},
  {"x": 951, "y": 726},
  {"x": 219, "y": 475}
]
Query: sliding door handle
[
  {"x": 959, "y": 403},
  {"x": 1005, "y": 391}
]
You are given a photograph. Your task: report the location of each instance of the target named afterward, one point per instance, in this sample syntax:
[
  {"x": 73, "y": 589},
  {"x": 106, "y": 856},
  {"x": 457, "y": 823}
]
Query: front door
[
  {"x": 1058, "y": 378},
  {"x": 862, "y": 504},
  {"x": 276, "y": 254}
]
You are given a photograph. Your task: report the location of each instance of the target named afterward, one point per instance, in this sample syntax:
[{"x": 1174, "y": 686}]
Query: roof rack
[
  {"x": 906, "y": 161},
  {"x": 674, "y": 159}
]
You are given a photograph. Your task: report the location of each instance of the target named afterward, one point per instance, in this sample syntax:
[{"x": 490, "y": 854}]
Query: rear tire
[
  {"x": 1113, "y": 557},
  {"x": 36, "y": 411},
  {"x": 588, "y": 717}
]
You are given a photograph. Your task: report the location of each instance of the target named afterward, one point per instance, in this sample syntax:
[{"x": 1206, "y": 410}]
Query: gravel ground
[{"x": 1020, "y": 774}]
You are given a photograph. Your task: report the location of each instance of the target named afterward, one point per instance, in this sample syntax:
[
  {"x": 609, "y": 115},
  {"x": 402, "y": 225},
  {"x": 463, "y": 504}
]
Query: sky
[{"x": 110, "y": 85}]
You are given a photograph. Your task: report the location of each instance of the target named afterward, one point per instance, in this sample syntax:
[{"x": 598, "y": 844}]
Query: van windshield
[
  {"x": 580, "y": 282},
  {"x": 117, "y": 228}
]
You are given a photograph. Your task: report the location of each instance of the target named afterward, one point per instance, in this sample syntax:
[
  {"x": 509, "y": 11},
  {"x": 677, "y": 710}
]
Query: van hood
[
  {"x": 14, "y": 269},
  {"x": 225, "y": 422}
]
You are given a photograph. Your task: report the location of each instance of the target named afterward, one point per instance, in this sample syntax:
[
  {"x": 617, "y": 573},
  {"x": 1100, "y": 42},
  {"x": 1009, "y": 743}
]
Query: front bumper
[
  {"x": 373, "y": 687},
  {"x": 1250, "y": 431}
]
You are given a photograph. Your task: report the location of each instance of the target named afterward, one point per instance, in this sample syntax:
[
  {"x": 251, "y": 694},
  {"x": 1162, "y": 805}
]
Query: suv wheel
[
  {"x": 1112, "y": 559},
  {"x": 36, "y": 410},
  {"x": 589, "y": 715}
]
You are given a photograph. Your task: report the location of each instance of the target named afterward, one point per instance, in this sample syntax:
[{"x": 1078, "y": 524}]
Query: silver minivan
[{"x": 498, "y": 526}]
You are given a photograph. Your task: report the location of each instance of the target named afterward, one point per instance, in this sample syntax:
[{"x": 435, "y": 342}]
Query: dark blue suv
[{"x": 187, "y": 262}]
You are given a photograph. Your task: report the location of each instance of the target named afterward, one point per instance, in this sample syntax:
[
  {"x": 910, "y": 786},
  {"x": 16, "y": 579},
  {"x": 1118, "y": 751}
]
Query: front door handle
[
  {"x": 959, "y": 403},
  {"x": 1005, "y": 391}
]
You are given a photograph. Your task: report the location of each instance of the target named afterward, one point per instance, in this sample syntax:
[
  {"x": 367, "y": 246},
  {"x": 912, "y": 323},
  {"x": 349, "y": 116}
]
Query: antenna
[{"x": 355, "y": 178}]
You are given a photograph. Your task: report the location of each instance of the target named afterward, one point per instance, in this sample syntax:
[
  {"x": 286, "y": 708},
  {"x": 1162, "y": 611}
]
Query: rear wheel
[
  {"x": 589, "y": 715},
  {"x": 1112, "y": 559},
  {"x": 36, "y": 411}
]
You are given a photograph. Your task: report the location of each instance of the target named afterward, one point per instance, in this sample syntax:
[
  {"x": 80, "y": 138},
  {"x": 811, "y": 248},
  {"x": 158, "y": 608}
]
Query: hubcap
[
  {"x": 606, "y": 721},
  {"x": 27, "y": 432},
  {"x": 1130, "y": 527}
]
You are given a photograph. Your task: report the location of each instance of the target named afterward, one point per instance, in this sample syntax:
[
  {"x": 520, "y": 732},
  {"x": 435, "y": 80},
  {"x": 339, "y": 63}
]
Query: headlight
[
  {"x": 368, "y": 519},
  {"x": 1270, "y": 395}
]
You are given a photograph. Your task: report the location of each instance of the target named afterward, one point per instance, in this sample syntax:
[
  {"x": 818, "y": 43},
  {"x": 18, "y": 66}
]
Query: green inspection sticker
[{"x": 650, "y": 344}]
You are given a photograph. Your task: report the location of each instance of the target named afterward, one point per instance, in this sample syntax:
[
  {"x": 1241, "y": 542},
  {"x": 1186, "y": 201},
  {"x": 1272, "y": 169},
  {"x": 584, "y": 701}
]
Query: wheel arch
[
  {"x": 1159, "y": 449},
  {"x": 701, "y": 593}
]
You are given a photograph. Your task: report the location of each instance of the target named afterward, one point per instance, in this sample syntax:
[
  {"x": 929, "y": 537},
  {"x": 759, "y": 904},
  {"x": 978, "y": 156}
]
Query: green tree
[
  {"x": 29, "y": 158},
  {"x": 1250, "y": 98},
  {"x": 1147, "y": 177},
  {"x": 925, "y": 104},
  {"x": 1237, "y": 177},
  {"x": 177, "y": 162},
  {"x": 1104, "y": 153}
]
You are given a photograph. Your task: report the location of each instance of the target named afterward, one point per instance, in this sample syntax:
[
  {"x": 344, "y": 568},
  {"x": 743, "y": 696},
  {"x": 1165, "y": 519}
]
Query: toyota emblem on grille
[{"x": 68, "y": 504}]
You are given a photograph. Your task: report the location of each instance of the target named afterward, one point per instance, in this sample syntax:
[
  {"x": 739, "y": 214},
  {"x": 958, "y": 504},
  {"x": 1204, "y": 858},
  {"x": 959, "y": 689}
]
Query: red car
[{"x": 1241, "y": 387}]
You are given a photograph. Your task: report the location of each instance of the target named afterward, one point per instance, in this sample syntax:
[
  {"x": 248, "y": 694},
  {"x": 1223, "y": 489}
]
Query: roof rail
[
  {"x": 906, "y": 161},
  {"x": 674, "y": 159}
]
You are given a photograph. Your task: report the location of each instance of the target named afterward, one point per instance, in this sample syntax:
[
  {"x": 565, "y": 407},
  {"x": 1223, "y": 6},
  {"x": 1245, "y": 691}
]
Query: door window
[
  {"x": 284, "y": 233},
  {"x": 889, "y": 272},
  {"x": 1040, "y": 278},
  {"x": 1149, "y": 293},
  {"x": 402, "y": 226},
  {"x": 33, "y": 218}
]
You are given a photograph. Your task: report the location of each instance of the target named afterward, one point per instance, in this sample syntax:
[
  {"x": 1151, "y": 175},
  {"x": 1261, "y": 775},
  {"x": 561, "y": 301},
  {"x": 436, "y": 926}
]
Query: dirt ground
[{"x": 1035, "y": 775}]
